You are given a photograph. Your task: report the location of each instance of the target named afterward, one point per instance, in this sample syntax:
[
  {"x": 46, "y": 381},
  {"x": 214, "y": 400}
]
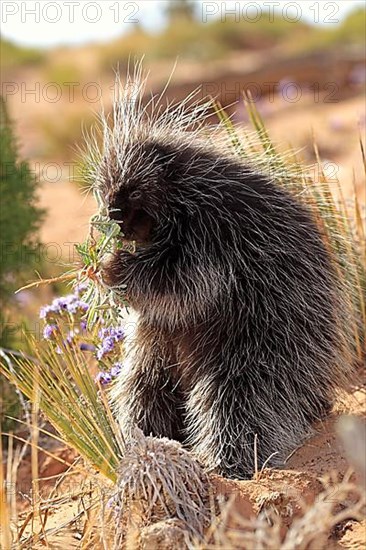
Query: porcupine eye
[{"x": 135, "y": 195}]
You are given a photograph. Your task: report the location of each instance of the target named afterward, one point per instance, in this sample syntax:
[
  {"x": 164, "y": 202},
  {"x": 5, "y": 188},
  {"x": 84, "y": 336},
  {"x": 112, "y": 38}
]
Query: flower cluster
[
  {"x": 71, "y": 304},
  {"x": 49, "y": 331},
  {"x": 68, "y": 313},
  {"x": 69, "y": 310},
  {"x": 105, "y": 377},
  {"x": 109, "y": 338}
]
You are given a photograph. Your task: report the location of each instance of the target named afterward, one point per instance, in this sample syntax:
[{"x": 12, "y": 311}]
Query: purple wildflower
[
  {"x": 102, "y": 333},
  {"x": 106, "y": 347},
  {"x": 108, "y": 343},
  {"x": 87, "y": 347},
  {"x": 119, "y": 334},
  {"x": 103, "y": 378},
  {"x": 109, "y": 337},
  {"x": 114, "y": 332},
  {"x": 49, "y": 331},
  {"x": 100, "y": 353},
  {"x": 72, "y": 308},
  {"x": 43, "y": 312},
  {"x": 116, "y": 369},
  {"x": 80, "y": 288},
  {"x": 59, "y": 304},
  {"x": 70, "y": 303}
]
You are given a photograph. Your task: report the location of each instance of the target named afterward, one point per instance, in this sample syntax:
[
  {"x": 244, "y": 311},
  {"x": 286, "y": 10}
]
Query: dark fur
[{"x": 238, "y": 303}]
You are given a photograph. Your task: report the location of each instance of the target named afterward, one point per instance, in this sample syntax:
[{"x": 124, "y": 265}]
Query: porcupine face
[
  {"x": 137, "y": 191},
  {"x": 129, "y": 207}
]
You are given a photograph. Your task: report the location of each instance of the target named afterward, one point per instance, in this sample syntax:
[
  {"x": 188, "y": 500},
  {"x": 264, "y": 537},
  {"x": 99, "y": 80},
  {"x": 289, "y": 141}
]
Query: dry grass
[{"x": 158, "y": 481}]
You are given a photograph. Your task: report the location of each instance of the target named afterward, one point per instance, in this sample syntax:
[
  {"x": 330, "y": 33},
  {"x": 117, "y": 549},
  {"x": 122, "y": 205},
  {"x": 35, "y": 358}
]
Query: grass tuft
[{"x": 71, "y": 400}]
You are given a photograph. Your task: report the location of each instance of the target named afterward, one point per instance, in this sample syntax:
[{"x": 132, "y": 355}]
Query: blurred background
[{"x": 304, "y": 63}]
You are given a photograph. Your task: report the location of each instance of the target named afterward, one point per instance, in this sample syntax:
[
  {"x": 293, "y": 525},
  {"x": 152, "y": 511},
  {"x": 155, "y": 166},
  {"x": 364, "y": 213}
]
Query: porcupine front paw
[{"x": 116, "y": 270}]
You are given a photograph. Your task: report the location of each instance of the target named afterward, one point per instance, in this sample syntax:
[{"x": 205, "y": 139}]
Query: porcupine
[{"x": 239, "y": 340}]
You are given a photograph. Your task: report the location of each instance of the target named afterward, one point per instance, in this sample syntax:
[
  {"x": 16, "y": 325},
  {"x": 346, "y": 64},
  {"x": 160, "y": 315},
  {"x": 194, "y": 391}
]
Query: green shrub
[
  {"x": 13, "y": 56},
  {"x": 264, "y": 33},
  {"x": 19, "y": 222},
  {"x": 350, "y": 32},
  {"x": 20, "y": 217}
]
